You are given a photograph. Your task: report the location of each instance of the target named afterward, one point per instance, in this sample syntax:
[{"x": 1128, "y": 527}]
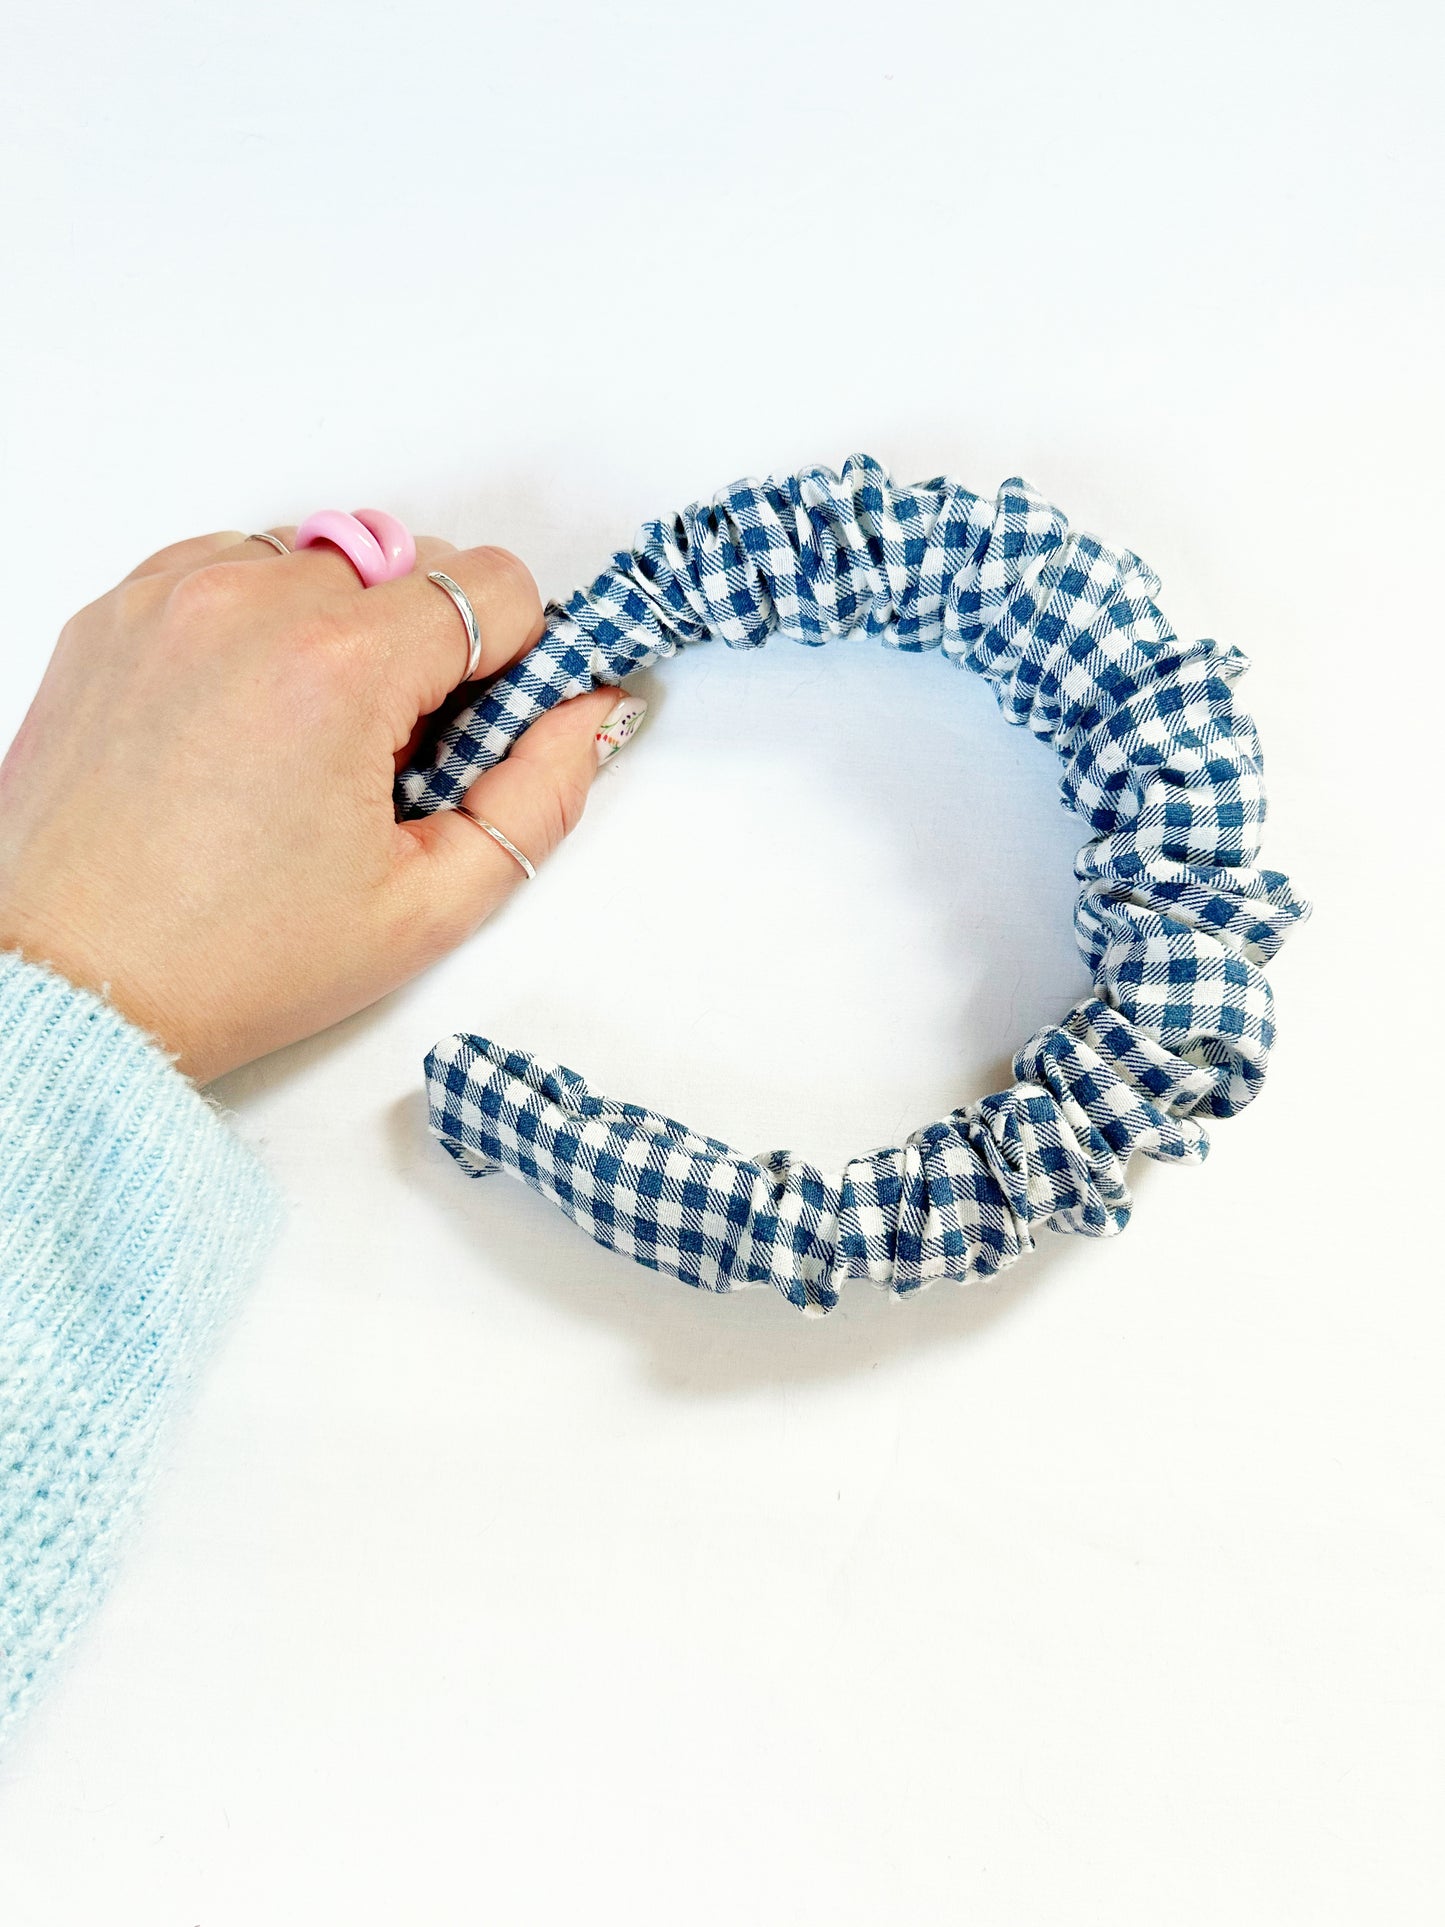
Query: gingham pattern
[{"x": 1174, "y": 916}]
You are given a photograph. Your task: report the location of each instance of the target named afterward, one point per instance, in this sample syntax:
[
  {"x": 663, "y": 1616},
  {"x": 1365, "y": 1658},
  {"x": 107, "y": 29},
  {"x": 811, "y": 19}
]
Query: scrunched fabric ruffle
[{"x": 1175, "y": 917}]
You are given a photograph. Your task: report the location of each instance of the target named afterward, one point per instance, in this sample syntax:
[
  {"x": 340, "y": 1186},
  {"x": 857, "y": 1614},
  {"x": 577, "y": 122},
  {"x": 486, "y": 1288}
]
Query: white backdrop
[{"x": 493, "y": 1578}]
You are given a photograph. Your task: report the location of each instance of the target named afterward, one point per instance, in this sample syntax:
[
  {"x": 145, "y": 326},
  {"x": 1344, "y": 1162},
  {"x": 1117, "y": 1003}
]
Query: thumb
[{"x": 535, "y": 797}]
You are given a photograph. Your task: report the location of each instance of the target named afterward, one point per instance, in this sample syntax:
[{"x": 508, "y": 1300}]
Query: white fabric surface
[{"x": 496, "y": 1578}]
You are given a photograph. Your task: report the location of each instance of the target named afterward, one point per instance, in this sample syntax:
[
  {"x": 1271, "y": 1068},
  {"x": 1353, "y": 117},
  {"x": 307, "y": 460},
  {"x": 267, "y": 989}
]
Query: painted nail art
[{"x": 619, "y": 725}]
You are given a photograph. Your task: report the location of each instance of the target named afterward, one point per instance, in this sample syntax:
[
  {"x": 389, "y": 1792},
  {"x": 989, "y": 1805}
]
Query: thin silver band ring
[
  {"x": 276, "y": 543},
  {"x": 492, "y": 831},
  {"x": 469, "y": 617}
]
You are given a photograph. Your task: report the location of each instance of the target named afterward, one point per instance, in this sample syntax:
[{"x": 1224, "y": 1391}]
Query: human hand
[{"x": 196, "y": 816}]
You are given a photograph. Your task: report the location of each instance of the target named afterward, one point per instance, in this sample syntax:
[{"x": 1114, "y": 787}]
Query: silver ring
[
  {"x": 276, "y": 543},
  {"x": 474, "y": 635},
  {"x": 506, "y": 842}
]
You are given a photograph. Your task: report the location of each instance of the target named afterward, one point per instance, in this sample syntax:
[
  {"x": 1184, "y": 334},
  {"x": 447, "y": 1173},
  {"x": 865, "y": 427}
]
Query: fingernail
[{"x": 619, "y": 725}]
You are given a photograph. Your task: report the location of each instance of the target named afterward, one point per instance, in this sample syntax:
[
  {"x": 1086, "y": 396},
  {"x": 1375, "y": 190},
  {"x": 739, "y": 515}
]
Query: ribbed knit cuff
[{"x": 130, "y": 1218}]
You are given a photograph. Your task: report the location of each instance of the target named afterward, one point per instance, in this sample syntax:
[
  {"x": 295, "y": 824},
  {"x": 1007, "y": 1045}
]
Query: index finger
[{"x": 421, "y": 637}]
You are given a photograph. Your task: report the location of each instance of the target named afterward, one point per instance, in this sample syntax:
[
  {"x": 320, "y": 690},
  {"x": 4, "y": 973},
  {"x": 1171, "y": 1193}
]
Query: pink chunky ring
[{"x": 377, "y": 546}]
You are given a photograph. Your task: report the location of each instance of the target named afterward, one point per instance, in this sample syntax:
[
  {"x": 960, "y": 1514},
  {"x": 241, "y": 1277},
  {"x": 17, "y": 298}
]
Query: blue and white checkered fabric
[{"x": 1174, "y": 916}]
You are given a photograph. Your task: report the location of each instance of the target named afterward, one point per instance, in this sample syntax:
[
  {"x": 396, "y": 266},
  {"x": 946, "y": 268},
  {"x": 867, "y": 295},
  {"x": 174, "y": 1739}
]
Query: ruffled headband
[{"x": 1175, "y": 917}]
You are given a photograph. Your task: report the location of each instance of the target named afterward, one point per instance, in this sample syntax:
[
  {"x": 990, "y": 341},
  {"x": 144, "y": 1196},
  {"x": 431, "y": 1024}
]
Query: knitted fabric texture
[
  {"x": 130, "y": 1216},
  {"x": 1175, "y": 917}
]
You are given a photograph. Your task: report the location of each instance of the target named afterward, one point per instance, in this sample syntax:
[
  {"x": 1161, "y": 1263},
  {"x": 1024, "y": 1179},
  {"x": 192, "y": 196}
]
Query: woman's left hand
[{"x": 196, "y": 817}]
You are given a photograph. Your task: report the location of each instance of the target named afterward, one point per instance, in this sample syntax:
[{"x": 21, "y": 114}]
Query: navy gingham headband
[{"x": 1175, "y": 917}]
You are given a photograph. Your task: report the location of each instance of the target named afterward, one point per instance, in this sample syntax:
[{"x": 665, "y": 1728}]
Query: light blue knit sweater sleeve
[{"x": 130, "y": 1218}]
